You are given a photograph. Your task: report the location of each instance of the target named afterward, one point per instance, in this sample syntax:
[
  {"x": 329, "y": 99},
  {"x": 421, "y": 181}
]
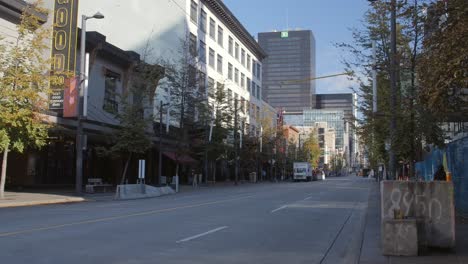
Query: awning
[{"x": 180, "y": 158}]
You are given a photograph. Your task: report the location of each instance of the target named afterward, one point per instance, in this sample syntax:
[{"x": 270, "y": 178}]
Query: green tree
[
  {"x": 133, "y": 137},
  {"x": 24, "y": 87},
  {"x": 443, "y": 67},
  {"x": 311, "y": 149},
  {"x": 417, "y": 122},
  {"x": 182, "y": 89}
]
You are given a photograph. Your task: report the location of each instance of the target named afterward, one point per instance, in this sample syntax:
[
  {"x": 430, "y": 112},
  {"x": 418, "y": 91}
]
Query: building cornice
[
  {"x": 12, "y": 10},
  {"x": 223, "y": 13}
]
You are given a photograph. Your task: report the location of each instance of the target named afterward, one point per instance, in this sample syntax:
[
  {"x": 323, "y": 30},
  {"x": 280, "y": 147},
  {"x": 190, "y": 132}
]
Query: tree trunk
[
  {"x": 3, "y": 176},
  {"x": 214, "y": 171},
  {"x": 124, "y": 174}
]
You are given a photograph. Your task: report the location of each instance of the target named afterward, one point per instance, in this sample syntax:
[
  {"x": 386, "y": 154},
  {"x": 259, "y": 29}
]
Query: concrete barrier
[
  {"x": 430, "y": 203},
  {"x": 138, "y": 191},
  {"x": 400, "y": 237}
]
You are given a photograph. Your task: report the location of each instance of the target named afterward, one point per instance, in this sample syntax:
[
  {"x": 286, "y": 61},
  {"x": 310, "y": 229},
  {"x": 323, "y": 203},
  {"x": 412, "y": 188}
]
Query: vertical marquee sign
[{"x": 63, "y": 48}]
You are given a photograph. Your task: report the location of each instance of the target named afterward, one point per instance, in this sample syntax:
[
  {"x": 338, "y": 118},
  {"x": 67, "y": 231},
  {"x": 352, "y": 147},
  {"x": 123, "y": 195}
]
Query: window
[
  {"x": 202, "y": 83},
  {"x": 212, "y": 29},
  {"x": 236, "y": 75},
  {"x": 259, "y": 71},
  {"x": 253, "y": 89},
  {"x": 193, "y": 11},
  {"x": 110, "y": 104},
  {"x": 254, "y": 68},
  {"x": 248, "y": 62},
  {"x": 192, "y": 77},
  {"x": 211, "y": 84},
  {"x": 242, "y": 105},
  {"x": 242, "y": 80},
  {"x": 236, "y": 51},
  {"x": 202, "y": 52},
  {"x": 229, "y": 71},
  {"x": 220, "y": 64},
  {"x": 220, "y": 36},
  {"x": 231, "y": 46},
  {"x": 249, "y": 85},
  {"x": 203, "y": 20},
  {"x": 258, "y": 92},
  {"x": 258, "y": 113},
  {"x": 229, "y": 95},
  {"x": 193, "y": 45},
  {"x": 211, "y": 59},
  {"x": 243, "y": 57}
]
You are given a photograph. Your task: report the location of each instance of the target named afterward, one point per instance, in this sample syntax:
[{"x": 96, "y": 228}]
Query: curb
[{"x": 44, "y": 202}]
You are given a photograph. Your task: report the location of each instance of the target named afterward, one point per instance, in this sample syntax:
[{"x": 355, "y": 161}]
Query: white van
[{"x": 302, "y": 171}]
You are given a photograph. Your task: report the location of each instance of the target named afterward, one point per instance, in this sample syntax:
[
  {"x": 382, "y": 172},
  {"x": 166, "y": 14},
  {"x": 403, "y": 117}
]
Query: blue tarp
[{"x": 456, "y": 162}]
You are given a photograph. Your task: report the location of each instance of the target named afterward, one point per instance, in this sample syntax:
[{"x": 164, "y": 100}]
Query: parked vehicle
[{"x": 302, "y": 171}]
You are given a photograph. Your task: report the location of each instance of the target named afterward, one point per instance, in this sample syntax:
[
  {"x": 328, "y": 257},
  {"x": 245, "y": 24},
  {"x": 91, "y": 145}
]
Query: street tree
[
  {"x": 24, "y": 87},
  {"x": 417, "y": 122},
  {"x": 443, "y": 67},
  {"x": 184, "y": 90},
  {"x": 311, "y": 149},
  {"x": 134, "y": 134}
]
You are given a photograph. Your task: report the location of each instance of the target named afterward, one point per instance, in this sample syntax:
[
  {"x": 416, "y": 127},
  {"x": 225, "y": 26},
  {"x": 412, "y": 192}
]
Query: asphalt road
[{"x": 305, "y": 222}]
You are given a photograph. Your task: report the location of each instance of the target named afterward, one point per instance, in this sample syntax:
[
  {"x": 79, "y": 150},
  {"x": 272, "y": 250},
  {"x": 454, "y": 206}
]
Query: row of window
[
  {"x": 233, "y": 74},
  {"x": 233, "y": 47},
  {"x": 244, "y": 105}
]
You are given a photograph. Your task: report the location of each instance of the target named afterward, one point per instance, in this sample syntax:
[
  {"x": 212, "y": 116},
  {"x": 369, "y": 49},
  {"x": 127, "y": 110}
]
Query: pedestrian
[
  {"x": 440, "y": 174},
  {"x": 194, "y": 178}
]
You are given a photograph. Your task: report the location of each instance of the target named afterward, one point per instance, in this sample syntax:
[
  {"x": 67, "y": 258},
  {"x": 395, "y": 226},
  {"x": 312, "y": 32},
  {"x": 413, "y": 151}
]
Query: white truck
[{"x": 302, "y": 171}]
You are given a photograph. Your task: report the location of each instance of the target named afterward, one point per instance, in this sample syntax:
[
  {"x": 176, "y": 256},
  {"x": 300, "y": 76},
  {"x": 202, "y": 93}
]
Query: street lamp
[
  {"x": 392, "y": 86},
  {"x": 79, "y": 131}
]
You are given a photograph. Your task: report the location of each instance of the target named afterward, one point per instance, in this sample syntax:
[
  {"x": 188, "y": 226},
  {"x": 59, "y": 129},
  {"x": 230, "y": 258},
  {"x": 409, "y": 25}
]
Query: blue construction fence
[{"x": 454, "y": 158}]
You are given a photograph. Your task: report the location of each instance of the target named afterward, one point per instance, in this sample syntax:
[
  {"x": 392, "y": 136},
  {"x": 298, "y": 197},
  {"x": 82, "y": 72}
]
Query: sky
[{"x": 329, "y": 20}]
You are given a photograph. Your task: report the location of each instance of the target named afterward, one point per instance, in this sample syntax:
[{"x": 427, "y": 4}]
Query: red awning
[{"x": 180, "y": 158}]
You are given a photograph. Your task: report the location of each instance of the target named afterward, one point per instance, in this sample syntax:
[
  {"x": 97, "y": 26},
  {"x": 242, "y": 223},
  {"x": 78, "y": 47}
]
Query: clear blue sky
[{"x": 329, "y": 20}]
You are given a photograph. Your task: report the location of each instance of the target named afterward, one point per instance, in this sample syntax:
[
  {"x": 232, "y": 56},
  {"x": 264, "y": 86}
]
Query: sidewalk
[
  {"x": 14, "y": 199},
  {"x": 371, "y": 252}
]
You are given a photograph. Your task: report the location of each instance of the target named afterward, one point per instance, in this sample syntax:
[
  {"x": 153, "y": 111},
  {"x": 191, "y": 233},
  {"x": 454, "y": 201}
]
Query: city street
[{"x": 304, "y": 222}]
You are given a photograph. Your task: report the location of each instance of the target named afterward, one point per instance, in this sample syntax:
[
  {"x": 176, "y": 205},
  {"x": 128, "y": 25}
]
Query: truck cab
[{"x": 302, "y": 171}]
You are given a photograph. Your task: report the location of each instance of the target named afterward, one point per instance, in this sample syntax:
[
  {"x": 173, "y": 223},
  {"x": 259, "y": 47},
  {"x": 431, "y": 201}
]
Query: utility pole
[
  {"x": 160, "y": 141},
  {"x": 393, "y": 90},
  {"x": 236, "y": 166},
  {"x": 374, "y": 79}
]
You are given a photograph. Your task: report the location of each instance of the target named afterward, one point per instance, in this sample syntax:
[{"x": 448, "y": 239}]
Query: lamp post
[{"x": 79, "y": 130}]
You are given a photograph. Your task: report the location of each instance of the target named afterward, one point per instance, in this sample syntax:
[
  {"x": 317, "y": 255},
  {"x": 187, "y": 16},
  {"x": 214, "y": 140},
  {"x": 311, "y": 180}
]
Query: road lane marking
[
  {"x": 307, "y": 198},
  {"x": 202, "y": 234},
  {"x": 107, "y": 219},
  {"x": 280, "y": 208}
]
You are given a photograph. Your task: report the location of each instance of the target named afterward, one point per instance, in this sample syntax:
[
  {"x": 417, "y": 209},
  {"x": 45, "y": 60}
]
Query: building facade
[
  {"x": 288, "y": 69},
  {"x": 326, "y": 140},
  {"x": 224, "y": 51},
  {"x": 333, "y": 119}
]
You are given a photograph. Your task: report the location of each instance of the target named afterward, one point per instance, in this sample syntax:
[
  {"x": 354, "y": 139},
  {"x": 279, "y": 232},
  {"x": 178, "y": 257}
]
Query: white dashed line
[
  {"x": 202, "y": 234},
  {"x": 280, "y": 208}
]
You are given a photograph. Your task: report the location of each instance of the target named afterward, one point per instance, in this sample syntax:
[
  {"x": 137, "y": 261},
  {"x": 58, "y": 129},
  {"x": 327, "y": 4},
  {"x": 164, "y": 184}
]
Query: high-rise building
[{"x": 288, "y": 68}]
